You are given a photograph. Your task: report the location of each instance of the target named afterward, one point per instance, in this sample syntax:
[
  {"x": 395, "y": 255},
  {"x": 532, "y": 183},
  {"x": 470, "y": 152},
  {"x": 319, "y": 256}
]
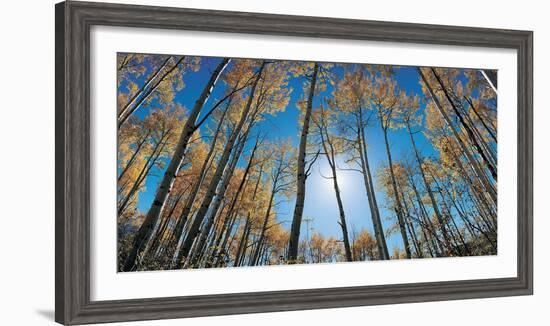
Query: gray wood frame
[{"x": 72, "y": 153}]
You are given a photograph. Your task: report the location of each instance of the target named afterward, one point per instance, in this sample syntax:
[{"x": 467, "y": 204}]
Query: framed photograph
[{"x": 214, "y": 162}]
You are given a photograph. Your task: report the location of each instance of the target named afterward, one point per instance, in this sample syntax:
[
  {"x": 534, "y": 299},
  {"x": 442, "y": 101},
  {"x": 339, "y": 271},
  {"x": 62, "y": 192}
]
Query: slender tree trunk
[
  {"x": 184, "y": 216},
  {"x": 260, "y": 247},
  {"x": 143, "y": 87},
  {"x": 383, "y": 253},
  {"x": 223, "y": 225},
  {"x": 221, "y": 193},
  {"x": 161, "y": 229},
  {"x": 124, "y": 62},
  {"x": 199, "y": 251},
  {"x": 167, "y": 182},
  {"x": 491, "y": 155},
  {"x": 410, "y": 228},
  {"x": 208, "y": 197},
  {"x": 423, "y": 227},
  {"x": 343, "y": 224},
  {"x": 469, "y": 131},
  {"x": 227, "y": 235},
  {"x": 480, "y": 118},
  {"x": 266, "y": 219},
  {"x": 451, "y": 219},
  {"x": 134, "y": 156},
  {"x": 476, "y": 189},
  {"x": 438, "y": 246},
  {"x": 151, "y": 161},
  {"x": 465, "y": 217},
  {"x": 222, "y": 186},
  {"x": 459, "y": 140},
  {"x": 293, "y": 243},
  {"x": 467, "y": 223},
  {"x": 137, "y": 100},
  {"x": 241, "y": 249},
  {"x": 329, "y": 154},
  {"x": 429, "y": 189},
  {"x": 398, "y": 206},
  {"x": 210, "y": 253}
]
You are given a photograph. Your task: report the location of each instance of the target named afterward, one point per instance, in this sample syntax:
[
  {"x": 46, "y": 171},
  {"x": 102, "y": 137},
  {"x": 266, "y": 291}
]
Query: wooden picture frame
[{"x": 72, "y": 181}]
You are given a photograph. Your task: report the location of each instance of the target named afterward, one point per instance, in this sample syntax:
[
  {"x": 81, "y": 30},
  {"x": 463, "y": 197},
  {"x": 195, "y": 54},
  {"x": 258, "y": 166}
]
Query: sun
[{"x": 328, "y": 178}]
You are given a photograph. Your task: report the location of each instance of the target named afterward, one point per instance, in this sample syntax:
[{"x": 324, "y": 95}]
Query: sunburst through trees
[{"x": 249, "y": 162}]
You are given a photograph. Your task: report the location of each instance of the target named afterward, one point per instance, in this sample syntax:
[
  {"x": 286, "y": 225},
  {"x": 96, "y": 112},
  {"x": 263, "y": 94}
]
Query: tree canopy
[{"x": 251, "y": 162}]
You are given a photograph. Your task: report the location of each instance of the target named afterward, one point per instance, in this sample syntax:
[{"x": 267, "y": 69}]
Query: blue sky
[{"x": 320, "y": 203}]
